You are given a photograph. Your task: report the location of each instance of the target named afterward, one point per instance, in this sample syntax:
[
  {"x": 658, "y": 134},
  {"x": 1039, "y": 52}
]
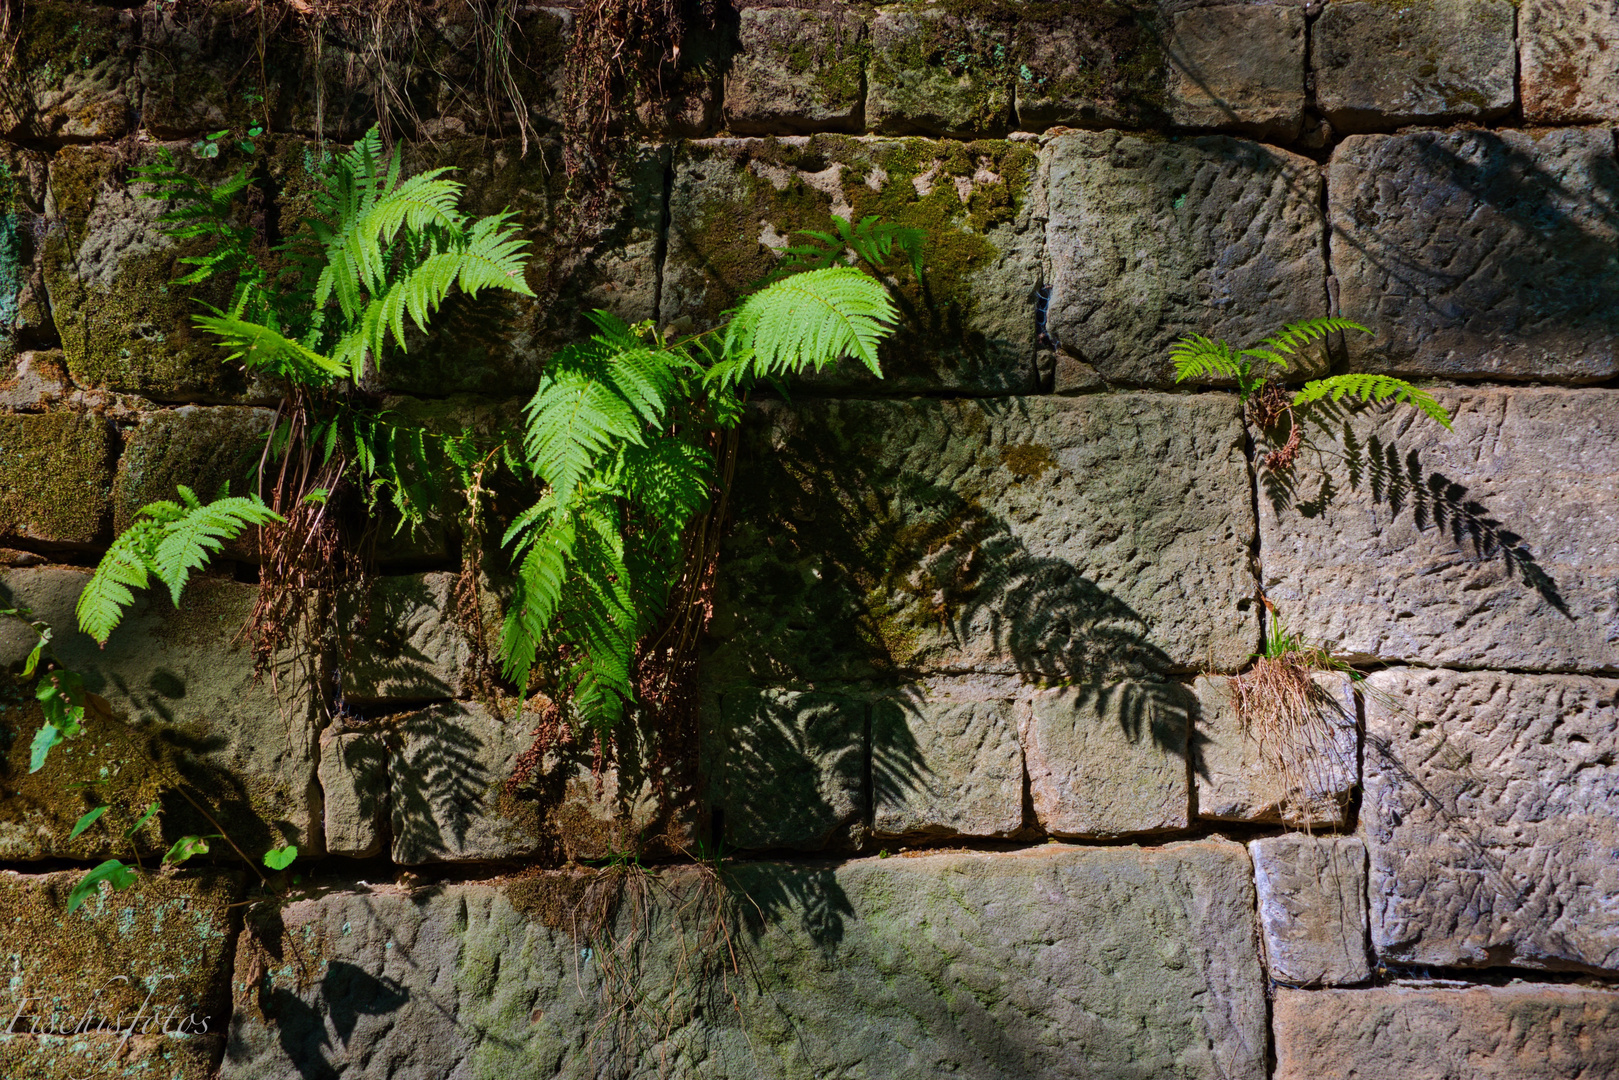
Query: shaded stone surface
[
  {"x": 735, "y": 203},
  {"x": 1244, "y": 774},
  {"x": 799, "y": 70},
  {"x": 1312, "y": 908},
  {"x": 1087, "y": 540},
  {"x": 72, "y": 1057},
  {"x": 937, "y": 71},
  {"x": 1150, "y": 240},
  {"x": 1141, "y": 964},
  {"x": 406, "y": 642},
  {"x": 1239, "y": 67},
  {"x": 1569, "y": 67},
  {"x": 204, "y": 449},
  {"x": 354, "y": 791},
  {"x": 184, "y": 682},
  {"x": 1479, "y": 254},
  {"x": 1488, "y": 546},
  {"x": 1491, "y": 819},
  {"x": 945, "y": 759},
  {"x": 1089, "y": 65},
  {"x": 55, "y": 472},
  {"x": 1108, "y": 761},
  {"x": 73, "y": 73},
  {"x": 1382, "y": 65},
  {"x": 1523, "y": 1031}
]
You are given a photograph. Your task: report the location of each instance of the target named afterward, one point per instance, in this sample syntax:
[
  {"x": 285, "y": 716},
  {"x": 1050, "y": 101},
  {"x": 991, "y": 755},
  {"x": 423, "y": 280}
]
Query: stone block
[
  {"x": 406, "y": 643},
  {"x": 1085, "y": 540},
  {"x": 55, "y": 472},
  {"x": 1089, "y": 65},
  {"x": 1522, "y": 1031},
  {"x": 945, "y": 759},
  {"x": 204, "y": 449},
  {"x": 354, "y": 789},
  {"x": 1490, "y": 819},
  {"x": 1312, "y": 908},
  {"x": 1245, "y": 774},
  {"x": 1479, "y": 254},
  {"x": 1569, "y": 70},
  {"x": 182, "y": 686},
  {"x": 72, "y": 1057},
  {"x": 1383, "y": 65},
  {"x": 736, "y": 203},
  {"x": 1485, "y": 546},
  {"x": 73, "y": 74},
  {"x": 1110, "y": 761},
  {"x": 1137, "y": 963},
  {"x": 938, "y": 71},
  {"x": 1151, "y": 240},
  {"x": 1239, "y": 68},
  {"x": 25, "y": 320},
  {"x": 447, "y": 795},
  {"x": 788, "y": 769},
  {"x": 799, "y": 71}
]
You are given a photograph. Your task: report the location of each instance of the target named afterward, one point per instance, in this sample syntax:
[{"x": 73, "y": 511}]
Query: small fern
[
  {"x": 1372, "y": 388},
  {"x": 872, "y": 241}
]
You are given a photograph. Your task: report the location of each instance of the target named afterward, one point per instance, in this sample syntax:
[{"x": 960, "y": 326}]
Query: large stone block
[
  {"x": 969, "y": 325},
  {"x": 1569, "y": 67},
  {"x": 190, "y": 711},
  {"x": 1089, "y": 65},
  {"x": 1150, "y": 240},
  {"x": 204, "y": 449},
  {"x": 939, "y": 71},
  {"x": 1522, "y": 1031},
  {"x": 55, "y": 475},
  {"x": 1140, "y": 964},
  {"x": 1087, "y": 540},
  {"x": 1382, "y": 65},
  {"x": 25, "y": 321},
  {"x": 1238, "y": 67},
  {"x": 72, "y": 75},
  {"x": 1304, "y": 777},
  {"x": 1488, "y": 545},
  {"x": 1109, "y": 761},
  {"x": 798, "y": 71},
  {"x": 406, "y": 642},
  {"x": 1491, "y": 820},
  {"x": 1479, "y": 254},
  {"x": 354, "y": 791},
  {"x": 1312, "y": 908}
]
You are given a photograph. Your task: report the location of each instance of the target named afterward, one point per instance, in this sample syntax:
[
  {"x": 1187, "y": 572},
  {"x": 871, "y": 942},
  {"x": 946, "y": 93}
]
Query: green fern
[
  {"x": 1197, "y": 356},
  {"x": 872, "y": 241},
  {"x": 1372, "y": 388}
]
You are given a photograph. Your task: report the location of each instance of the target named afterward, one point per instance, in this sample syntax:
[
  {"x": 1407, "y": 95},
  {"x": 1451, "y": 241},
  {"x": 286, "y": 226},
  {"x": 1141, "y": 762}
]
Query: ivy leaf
[
  {"x": 151, "y": 812},
  {"x": 86, "y": 821},
  {"x": 185, "y": 847},
  {"x": 112, "y": 872},
  {"x": 280, "y": 858}
]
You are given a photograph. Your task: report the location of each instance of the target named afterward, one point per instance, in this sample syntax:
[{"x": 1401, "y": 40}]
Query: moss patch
[
  {"x": 1091, "y": 63},
  {"x": 943, "y": 69},
  {"x": 55, "y": 477}
]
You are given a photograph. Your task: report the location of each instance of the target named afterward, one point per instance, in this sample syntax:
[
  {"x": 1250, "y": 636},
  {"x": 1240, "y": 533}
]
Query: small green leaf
[
  {"x": 45, "y": 738},
  {"x": 151, "y": 812},
  {"x": 280, "y": 858},
  {"x": 86, "y": 821},
  {"x": 317, "y": 496},
  {"x": 32, "y": 665},
  {"x": 112, "y": 872},
  {"x": 185, "y": 847}
]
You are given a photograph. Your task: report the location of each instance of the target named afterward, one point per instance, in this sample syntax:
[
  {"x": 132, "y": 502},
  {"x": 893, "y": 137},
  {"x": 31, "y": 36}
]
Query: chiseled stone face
[
  {"x": 1380, "y": 65},
  {"x": 1312, "y": 908},
  {"x": 407, "y": 642},
  {"x": 1490, "y": 818},
  {"x": 354, "y": 790},
  {"x": 1151, "y": 239},
  {"x": 205, "y": 449},
  {"x": 799, "y": 70},
  {"x": 1238, "y": 67},
  {"x": 1492, "y": 545},
  {"x": 1522, "y": 1031},
  {"x": 1479, "y": 254},
  {"x": 1141, "y": 964},
  {"x": 1089, "y": 65},
  {"x": 1570, "y": 67}
]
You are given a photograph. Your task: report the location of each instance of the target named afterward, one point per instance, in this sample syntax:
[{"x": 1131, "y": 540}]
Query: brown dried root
[
  {"x": 1268, "y": 408},
  {"x": 1298, "y": 726}
]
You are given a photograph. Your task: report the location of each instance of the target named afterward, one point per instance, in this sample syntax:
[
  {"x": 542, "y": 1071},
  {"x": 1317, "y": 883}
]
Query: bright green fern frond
[
  {"x": 1372, "y": 388},
  {"x": 572, "y": 421},
  {"x": 127, "y": 565},
  {"x": 187, "y": 544},
  {"x": 646, "y": 378},
  {"x": 670, "y": 478},
  {"x": 540, "y": 580},
  {"x": 1295, "y": 336},
  {"x": 1196, "y": 357},
  {"x": 494, "y": 257},
  {"x": 809, "y": 320},
  {"x": 263, "y": 349}
]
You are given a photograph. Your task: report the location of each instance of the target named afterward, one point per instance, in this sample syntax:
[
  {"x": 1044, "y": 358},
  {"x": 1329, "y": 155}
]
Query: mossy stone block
[
  {"x": 1097, "y": 63},
  {"x": 941, "y": 70},
  {"x": 798, "y": 71},
  {"x": 73, "y": 75},
  {"x": 55, "y": 477},
  {"x": 967, "y": 325},
  {"x": 72, "y": 1057},
  {"x": 205, "y": 449}
]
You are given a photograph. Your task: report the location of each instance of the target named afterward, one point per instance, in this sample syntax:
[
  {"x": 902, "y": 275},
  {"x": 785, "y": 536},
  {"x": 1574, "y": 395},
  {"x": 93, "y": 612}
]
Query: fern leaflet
[{"x": 1373, "y": 388}]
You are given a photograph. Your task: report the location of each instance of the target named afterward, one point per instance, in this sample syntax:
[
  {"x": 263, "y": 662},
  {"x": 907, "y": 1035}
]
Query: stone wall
[{"x": 966, "y": 729}]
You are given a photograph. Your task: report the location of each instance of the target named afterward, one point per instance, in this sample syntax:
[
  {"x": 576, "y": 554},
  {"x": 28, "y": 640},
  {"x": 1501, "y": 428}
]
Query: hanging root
[{"x": 1297, "y": 725}]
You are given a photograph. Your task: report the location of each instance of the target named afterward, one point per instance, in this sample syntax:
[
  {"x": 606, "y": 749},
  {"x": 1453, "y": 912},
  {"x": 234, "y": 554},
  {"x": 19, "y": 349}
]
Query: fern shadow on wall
[{"x": 438, "y": 784}]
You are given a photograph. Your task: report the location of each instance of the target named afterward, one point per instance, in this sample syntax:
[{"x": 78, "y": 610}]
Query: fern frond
[
  {"x": 263, "y": 349},
  {"x": 1373, "y": 388},
  {"x": 1295, "y": 336},
  {"x": 127, "y": 565},
  {"x": 1196, "y": 357},
  {"x": 189, "y": 542},
  {"x": 811, "y": 319},
  {"x": 572, "y": 421},
  {"x": 540, "y": 579},
  {"x": 670, "y": 478}
]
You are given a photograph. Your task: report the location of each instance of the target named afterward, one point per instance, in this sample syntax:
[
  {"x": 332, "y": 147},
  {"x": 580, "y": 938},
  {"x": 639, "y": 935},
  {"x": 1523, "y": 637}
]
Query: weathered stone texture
[
  {"x": 1570, "y": 66},
  {"x": 1244, "y": 774},
  {"x": 185, "y": 684},
  {"x": 74, "y": 1057},
  {"x": 25, "y": 321},
  {"x": 354, "y": 791},
  {"x": 1491, "y": 818},
  {"x": 1312, "y": 908},
  {"x": 1493, "y": 545},
  {"x": 55, "y": 476},
  {"x": 1522, "y": 1031},
  {"x": 1150, "y": 240},
  {"x": 1479, "y": 254},
  {"x": 1380, "y": 65},
  {"x": 204, "y": 449},
  {"x": 1089, "y": 65},
  {"x": 798, "y": 71},
  {"x": 1239, "y": 67},
  {"x": 406, "y": 642},
  {"x": 73, "y": 73},
  {"x": 1089, "y": 540},
  {"x": 736, "y": 203},
  {"x": 1138, "y": 964},
  {"x": 939, "y": 72},
  {"x": 1109, "y": 762}
]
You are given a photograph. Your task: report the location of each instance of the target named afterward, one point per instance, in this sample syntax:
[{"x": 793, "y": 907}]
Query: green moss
[
  {"x": 1027, "y": 461},
  {"x": 205, "y": 449},
  {"x": 1111, "y": 67},
  {"x": 55, "y": 476},
  {"x": 955, "y": 68},
  {"x": 61, "y": 39}
]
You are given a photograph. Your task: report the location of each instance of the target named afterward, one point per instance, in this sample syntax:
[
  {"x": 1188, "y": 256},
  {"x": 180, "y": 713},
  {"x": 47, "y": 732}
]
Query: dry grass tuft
[{"x": 1298, "y": 726}]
